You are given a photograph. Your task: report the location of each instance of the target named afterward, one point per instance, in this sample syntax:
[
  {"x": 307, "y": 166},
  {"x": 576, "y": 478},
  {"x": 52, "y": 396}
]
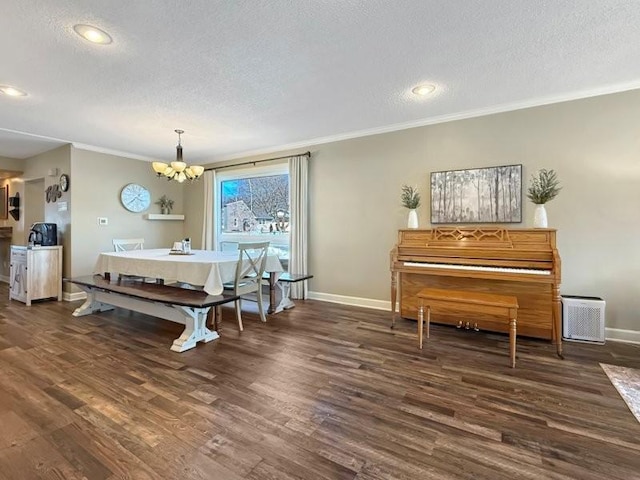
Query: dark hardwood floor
[{"x": 322, "y": 391}]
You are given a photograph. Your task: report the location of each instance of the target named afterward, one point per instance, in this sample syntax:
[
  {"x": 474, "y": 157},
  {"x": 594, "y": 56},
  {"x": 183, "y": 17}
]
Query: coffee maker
[{"x": 44, "y": 234}]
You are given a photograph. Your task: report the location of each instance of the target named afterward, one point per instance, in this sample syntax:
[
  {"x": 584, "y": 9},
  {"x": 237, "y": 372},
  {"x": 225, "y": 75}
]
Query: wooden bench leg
[
  {"x": 285, "y": 301},
  {"x": 512, "y": 341},
  {"x": 216, "y": 313},
  {"x": 195, "y": 329},
  {"x": 272, "y": 293},
  {"x": 428, "y": 319}
]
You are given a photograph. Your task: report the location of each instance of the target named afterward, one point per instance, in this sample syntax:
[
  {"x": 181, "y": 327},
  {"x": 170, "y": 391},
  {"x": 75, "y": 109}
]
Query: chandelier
[{"x": 178, "y": 170}]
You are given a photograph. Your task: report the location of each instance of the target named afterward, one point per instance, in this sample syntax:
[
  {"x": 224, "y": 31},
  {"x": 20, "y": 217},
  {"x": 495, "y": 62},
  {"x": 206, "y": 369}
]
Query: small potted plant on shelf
[
  {"x": 166, "y": 204},
  {"x": 543, "y": 188},
  {"x": 411, "y": 199}
]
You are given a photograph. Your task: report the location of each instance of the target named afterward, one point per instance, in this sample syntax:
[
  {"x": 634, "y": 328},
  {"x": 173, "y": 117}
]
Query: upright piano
[{"x": 519, "y": 262}]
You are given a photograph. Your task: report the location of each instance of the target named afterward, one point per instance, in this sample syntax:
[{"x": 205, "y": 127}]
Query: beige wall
[
  {"x": 96, "y": 181},
  {"x": 7, "y": 163},
  {"x": 593, "y": 144},
  {"x": 193, "y": 196}
]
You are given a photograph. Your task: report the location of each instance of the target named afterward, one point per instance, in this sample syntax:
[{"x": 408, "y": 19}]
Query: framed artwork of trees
[{"x": 479, "y": 195}]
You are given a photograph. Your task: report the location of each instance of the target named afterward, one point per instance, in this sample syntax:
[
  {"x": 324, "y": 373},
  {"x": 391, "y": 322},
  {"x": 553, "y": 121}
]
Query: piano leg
[
  {"x": 512, "y": 337},
  {"x": 394, "y": 294},
  {"x": 557, "y": 321}
]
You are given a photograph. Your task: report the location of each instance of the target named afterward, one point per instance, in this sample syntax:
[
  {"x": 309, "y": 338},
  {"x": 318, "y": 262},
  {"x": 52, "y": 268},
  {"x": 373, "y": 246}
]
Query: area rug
[{"x": 627, "y": 382}]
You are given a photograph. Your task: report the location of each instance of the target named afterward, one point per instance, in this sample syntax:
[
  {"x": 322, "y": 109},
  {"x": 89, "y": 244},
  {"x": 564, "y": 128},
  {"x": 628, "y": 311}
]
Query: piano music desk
[{"x": 473, "y": 302}]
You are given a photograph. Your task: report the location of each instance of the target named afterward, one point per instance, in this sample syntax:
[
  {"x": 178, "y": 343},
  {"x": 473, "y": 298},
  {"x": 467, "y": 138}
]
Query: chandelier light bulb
[
  {"x": 159, "y": 167},
  {"x": 178, "y": 166}
]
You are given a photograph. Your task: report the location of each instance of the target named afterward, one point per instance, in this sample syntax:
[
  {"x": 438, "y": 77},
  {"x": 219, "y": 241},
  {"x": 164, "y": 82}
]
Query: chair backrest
[
  {"x": 252, "y": 259},
  {"x": 226, "y": 246},
  {"x": 124, "y": 244}
]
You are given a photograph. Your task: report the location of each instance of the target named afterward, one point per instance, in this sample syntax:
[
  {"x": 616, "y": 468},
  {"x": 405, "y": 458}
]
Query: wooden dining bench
[
  {"x": 181, "y": 305},
  {"x": 284, "y": 281},
  {"x": 473, "y": 302}
]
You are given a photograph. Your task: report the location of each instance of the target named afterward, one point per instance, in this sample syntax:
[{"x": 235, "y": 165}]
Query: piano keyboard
[{"x": 477, "y": 268}]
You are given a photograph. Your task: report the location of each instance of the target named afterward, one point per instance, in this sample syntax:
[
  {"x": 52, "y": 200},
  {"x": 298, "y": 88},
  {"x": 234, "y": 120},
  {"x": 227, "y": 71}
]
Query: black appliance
[{"x": 45, "y": 234}]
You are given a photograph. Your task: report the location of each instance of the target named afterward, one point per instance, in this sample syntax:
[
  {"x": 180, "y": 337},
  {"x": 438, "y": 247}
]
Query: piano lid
[{"x": 478, "y": 238}]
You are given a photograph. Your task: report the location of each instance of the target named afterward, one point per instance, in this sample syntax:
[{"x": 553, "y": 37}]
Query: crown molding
[
  {"x": 481, "y": 112},
  {"x": 109, "y": 151}
]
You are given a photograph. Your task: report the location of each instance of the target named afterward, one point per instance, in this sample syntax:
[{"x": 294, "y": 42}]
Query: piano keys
[
  {"x": 521, "y": 262},
  {"x": 478, "y": 268}
]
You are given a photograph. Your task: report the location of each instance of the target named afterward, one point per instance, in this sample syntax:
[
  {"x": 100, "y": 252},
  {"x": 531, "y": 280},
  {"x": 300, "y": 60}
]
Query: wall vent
[{"x": 583, "y": 319}]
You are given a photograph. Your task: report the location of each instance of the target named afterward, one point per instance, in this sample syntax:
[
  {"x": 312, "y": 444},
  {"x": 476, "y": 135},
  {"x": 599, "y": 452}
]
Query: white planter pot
[
  {"x": 540, "y": 217},
  {"x": 412, "y": 222}
]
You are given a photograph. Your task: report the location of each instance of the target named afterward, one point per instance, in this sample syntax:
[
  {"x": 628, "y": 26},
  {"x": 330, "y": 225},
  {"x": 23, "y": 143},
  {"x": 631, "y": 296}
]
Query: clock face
[
  {"x": 64, "y": 182},
  {"x": 135, "y": 198}
]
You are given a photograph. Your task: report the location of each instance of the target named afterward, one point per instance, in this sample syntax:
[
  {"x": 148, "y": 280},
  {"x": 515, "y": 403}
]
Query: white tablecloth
[{"x": 206, "y": 268}]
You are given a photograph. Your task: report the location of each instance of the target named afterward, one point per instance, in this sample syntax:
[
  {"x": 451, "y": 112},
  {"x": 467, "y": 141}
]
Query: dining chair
[
  {"x": 252, "y": 259},
  {"x": 124, "y": 244},
  {"x": 226, "y": 246}
]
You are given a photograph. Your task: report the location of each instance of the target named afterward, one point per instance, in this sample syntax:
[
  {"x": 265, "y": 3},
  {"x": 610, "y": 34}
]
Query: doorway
[{"x": 33, "y": 204}]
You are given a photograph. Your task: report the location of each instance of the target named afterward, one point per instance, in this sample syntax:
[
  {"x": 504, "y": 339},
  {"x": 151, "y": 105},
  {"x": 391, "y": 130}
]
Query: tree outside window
[{"x": 256, "y": 209}]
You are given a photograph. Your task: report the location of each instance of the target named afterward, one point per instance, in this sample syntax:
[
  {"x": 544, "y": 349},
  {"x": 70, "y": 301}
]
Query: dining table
[{"x": 206, "y": 269}]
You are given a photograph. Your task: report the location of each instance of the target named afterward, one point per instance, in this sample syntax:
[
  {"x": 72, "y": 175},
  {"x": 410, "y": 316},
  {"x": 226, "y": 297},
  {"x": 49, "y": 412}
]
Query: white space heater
[{"x": 583, "y": 319}]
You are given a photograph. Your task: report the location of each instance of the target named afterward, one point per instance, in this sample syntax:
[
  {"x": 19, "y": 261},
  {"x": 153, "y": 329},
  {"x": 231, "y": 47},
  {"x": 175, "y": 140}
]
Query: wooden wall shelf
[{"x": 160, "y": 216}]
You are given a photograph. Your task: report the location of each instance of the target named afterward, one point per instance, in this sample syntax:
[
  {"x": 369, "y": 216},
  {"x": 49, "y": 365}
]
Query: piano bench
[{"x": 487, "y": 303}]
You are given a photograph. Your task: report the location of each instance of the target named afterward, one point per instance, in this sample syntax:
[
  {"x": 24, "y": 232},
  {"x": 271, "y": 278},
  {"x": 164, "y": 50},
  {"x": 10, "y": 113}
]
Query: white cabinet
[{"x": 36, "y": 272}]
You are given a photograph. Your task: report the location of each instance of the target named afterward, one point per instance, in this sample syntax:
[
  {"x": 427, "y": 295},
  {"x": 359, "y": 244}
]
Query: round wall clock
[
  {"x": 135, "y": 198},
  {"x": 64, "y": 182}
]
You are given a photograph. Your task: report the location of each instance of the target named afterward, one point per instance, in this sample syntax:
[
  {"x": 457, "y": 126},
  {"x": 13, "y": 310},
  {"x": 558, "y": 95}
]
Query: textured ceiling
[{"x": 250, "y": 75}]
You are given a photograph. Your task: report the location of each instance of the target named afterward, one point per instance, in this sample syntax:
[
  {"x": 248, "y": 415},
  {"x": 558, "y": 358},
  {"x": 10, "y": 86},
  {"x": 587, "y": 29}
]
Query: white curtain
[
  {"x": 298, "y": 232},
  {"x": 208, "y": 223}
]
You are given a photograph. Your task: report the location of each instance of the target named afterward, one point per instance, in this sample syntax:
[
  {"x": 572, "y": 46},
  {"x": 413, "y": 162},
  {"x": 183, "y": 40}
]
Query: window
[{"x": 253, "y": 206}]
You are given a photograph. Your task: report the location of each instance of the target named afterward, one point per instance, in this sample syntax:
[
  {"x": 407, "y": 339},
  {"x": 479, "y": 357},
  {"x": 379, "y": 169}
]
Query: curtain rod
[{"x": 305, "y": 154}]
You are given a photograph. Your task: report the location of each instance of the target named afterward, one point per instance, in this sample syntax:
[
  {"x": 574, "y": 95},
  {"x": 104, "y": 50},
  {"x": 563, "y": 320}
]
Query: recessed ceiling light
[
  {"x": 423, "y": 90},
  {"x": 93, "y": 34},
  {"x": 11, "y": 91}
]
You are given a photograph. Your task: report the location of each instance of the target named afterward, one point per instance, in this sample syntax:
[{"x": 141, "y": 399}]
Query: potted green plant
[
  {"x": 411, "y": 199},
  {"x": 543, "y": 188},
  {"x": 166, "y": 204}
]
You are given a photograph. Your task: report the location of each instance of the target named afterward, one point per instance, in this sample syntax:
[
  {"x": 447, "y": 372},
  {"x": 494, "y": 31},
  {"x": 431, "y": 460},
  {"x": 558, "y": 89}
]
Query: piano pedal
[
  {"x": 459, "y": 324},
  {"x": 475, "y": 327},
  {"x": 467, "y": 326}
]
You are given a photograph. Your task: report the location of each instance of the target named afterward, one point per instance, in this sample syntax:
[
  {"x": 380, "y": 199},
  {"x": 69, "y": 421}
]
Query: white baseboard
[
  {"x": 353, "y": 301},
  {"x": 619, "y": 335},
  {"x": 74, "y": 296}
]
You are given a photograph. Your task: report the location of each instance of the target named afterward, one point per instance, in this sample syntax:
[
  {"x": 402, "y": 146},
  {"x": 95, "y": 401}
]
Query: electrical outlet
[{"x": 102, "y": 221}]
